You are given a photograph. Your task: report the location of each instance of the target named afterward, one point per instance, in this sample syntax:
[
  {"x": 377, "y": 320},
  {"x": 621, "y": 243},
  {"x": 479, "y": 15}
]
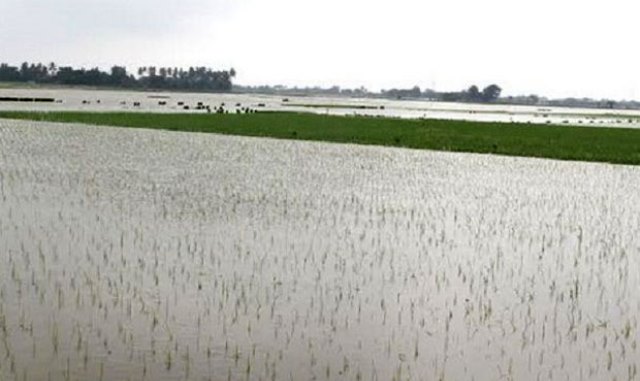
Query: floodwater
[
  {"x": 158, "y": 255},
  {"x": 104, "y": 100}
]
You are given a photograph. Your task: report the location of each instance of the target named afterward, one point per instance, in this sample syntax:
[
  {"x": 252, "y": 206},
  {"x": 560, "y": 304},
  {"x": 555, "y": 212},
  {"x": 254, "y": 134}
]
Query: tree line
[
  {"x": 207, "y": 79},
  {"x": 489, "y": 94},
  {"x": 151, "y": 77}
]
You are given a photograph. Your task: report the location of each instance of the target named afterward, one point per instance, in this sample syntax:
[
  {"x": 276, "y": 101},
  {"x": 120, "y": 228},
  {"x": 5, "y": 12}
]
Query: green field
[{"x": 613, "y": 145}]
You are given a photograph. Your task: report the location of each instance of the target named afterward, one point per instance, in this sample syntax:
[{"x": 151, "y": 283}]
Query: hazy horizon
[{"x": 572, "y": 49}]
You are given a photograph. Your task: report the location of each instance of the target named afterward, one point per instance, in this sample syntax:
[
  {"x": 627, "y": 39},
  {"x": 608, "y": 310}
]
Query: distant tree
[
  {"x": 473, "y": 94},
  {"x": 415, "y": 92},
  {"x": 429, "y": 93},
  {"x": 451, "y": 96},
  {"x": 119, "y": 77},
  {"x": 9, "y": 73},
  {"x": 491, "y": 93}
]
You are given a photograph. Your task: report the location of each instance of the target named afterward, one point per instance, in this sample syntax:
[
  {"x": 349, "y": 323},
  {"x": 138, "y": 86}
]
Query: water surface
[{"x": 136, "y": 254}]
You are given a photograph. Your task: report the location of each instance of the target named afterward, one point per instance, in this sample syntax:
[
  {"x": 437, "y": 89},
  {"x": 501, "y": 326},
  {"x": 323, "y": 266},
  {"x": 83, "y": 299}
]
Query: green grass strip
[{"x": 613, "y": 145}]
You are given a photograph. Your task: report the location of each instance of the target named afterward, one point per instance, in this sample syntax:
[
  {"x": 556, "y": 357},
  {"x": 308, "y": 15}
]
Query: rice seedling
[{"x": 260, "y": 259}]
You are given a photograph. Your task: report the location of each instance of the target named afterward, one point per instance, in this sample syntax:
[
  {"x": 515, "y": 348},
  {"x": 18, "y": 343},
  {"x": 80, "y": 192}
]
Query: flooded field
[
  {"x": 103, "y": 100},
  {"x": 135, "y": 254}
]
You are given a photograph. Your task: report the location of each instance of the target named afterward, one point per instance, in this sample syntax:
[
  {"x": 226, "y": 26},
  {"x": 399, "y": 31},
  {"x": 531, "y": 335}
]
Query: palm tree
[{"x": 53, "y": 69}]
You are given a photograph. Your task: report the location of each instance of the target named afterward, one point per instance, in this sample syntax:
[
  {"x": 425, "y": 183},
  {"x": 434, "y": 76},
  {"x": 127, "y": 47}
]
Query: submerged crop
[{"x": 163, "y": 255}]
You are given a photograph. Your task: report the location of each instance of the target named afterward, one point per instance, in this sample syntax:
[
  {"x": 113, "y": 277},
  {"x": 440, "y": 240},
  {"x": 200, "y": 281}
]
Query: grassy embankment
[{"x": 614, "y": 145}]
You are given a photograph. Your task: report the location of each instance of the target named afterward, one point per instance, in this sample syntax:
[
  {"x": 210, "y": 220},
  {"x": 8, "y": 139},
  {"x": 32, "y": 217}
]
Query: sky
[{"x": 555, "y": 48}]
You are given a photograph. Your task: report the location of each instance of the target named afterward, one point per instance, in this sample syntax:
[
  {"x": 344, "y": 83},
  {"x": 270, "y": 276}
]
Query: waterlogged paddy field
[
  {"x": 69, "y": 99},
  {"x": 136, "y": 254}
]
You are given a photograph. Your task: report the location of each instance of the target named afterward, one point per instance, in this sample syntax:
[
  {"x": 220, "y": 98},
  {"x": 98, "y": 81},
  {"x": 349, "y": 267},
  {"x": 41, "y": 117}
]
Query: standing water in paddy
[
  {"x": 133, "y": 254},
  {"x": 176, "y": 102}
]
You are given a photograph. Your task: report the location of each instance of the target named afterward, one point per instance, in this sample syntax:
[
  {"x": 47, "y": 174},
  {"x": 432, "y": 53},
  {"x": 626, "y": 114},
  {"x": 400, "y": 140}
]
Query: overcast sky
[{"x": 549, "y": 47}]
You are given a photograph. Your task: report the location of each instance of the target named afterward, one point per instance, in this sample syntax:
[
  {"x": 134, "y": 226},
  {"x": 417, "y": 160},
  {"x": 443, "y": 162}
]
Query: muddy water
[{"x": 133, "y": 254}]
